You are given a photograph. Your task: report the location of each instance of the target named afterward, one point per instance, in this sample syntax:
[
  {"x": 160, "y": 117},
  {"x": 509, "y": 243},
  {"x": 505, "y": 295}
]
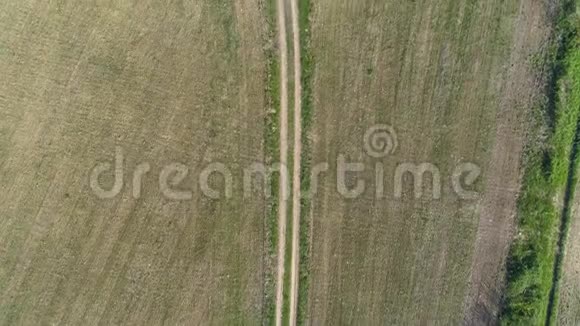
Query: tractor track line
[
  {"x": 297, "y": 165},
  {"x": 297, "y": 162},
  {"x": 282, "y": 191}
]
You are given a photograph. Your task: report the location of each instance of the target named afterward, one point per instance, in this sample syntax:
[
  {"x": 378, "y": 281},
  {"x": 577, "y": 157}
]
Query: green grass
[
  {"x": 272, "y": 148},
  {"x": 571, "y": 93},
  {"x": 533, "y": 265},
  {"x": 307, "y": 63}
]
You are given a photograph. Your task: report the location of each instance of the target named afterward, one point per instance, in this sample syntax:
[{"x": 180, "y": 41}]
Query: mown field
[
  {"x": 493, "y": 83},
  {"x": 455, "y": 79},
  {"x": 166, "y": 82}
]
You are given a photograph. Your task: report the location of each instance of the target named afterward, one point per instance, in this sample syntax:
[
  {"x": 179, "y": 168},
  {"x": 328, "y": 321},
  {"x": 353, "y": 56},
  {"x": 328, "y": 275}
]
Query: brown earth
[{"x": 496, "y": 226}]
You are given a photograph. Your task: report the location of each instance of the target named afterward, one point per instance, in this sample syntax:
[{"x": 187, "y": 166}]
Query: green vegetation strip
[
  {"x": 571, "y": 101},
  {"x": 534, "y": 264},
  {"x": 307, "y": 63},
  {"x": 566, "y": 218},
  {"x": 272, "y": 148}
]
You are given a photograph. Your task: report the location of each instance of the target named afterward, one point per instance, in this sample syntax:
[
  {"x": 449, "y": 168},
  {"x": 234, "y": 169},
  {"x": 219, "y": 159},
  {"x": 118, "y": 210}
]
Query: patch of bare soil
[{"x": 503, "y": 177}]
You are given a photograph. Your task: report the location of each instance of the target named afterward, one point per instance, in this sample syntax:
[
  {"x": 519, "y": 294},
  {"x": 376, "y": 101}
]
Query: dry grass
[
  {"x": 168, "y": 82},
  {"x": 450, "y": 77}
]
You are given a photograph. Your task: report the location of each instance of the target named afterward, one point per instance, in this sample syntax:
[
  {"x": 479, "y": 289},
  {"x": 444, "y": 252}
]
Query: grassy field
[
  {"x": 199, "y": 82},
  {"x": 453, "y": 78},
  {"x": 166, "y": 82}
]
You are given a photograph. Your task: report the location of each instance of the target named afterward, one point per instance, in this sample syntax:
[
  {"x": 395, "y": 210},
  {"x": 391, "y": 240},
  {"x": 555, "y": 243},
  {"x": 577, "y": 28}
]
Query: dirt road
[
  {"x": 294, "y": 273},
  {"x": 282, "y": 194},
  {"x": 297, "y": 151}
]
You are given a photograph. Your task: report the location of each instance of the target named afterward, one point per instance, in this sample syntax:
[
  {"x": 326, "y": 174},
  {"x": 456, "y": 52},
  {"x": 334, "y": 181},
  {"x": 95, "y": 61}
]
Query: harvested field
[
  {"x": 127, "y": 129},
  {"x": 454, "y": 80},
  {"x": 161, "y": 83}
]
